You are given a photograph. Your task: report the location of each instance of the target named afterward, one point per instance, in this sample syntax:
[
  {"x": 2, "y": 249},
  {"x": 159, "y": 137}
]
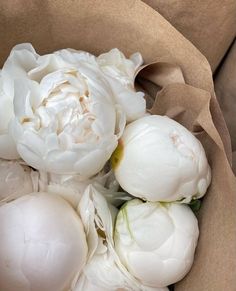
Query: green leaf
[{"x": 195, "y": 205}]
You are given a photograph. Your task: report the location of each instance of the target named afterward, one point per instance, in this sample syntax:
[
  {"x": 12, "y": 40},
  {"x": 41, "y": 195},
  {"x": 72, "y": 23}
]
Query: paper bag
[
  {"x": 181, "y": 78},
  {"x": 225, "y": 87},
  {"x": 209, "y": 24}
]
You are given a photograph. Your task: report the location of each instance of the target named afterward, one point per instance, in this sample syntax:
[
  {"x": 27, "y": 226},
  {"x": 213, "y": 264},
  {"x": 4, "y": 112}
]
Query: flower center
[{"x": 66, "y": 109}]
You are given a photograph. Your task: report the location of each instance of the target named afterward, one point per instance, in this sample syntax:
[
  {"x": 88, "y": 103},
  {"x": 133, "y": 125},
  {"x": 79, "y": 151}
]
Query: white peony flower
[
  {"x": 16, "y": 180},
  {"x": 104, "y": 268},
  {"x": 66, "y": 121},
  {"x": 120, "y": 73},
  {"x": 160, "y": 160},
  {"x": 156, "y": 241},
  {"x": 43, "y": 244}
]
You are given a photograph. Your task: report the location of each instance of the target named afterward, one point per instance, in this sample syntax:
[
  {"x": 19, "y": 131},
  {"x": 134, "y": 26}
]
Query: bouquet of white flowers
[
  {"x": 106, "y": 153},
  {"x": 80, "y": 130}
]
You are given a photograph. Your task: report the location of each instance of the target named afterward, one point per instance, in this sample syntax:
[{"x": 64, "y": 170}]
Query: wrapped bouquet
[{"x": 105, "y": 150}]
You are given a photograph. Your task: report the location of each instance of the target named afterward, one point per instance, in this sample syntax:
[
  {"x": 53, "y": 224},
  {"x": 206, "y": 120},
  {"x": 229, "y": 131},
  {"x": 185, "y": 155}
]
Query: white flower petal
[
  {"x": 133, "y": 104},
  {"x": 8, "y": 147},
  {"x": 24, "y": 46},
  {"x": 6, "y": 111},
  {"x": 115, "y": 64},
  {"x": 102, "y": 271},
  {"x": 7, "y": 144},
  {"x": 46, "y": 64},
  {"x": 22, "y": 59},
  {"x": 22, "y": 104},
  {"x": 75, "y": 57},
  {"x": 15, "y": 180},
  {"x": 137, "y": 60},
  {"x": 120, "y": 73},
  {"x": 84, "y": 284},
  {"x": 120, "y": 121},
  {"x": 93, "y": 161}
]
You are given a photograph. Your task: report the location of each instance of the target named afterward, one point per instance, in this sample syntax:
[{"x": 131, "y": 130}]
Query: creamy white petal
[
  {"x": 120, "y": 73},
  {"x": 102, "y": 271},
  {"x": 84, "y": 284},
  {"x": 132, "y": 102},
  {"x": 22, "y": 99},
  {"x": 24, "y": 46},
  {"x": 8, "y": 147},
  {"x": 75, "y": 57},
  {"x": 22, "y": 59},
  {"x": 7, "y": 144},
  {"x": 15, "y": 180},
  {"x": 115, "y": 64},
  {"x": 137, "y": 60},
  {"x": 6, "y": 111}
]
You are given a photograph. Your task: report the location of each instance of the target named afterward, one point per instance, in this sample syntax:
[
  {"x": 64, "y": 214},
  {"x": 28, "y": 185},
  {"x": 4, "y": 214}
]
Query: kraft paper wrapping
[
  {"x": 234, "y": 162},
  {"x": 225, "y": 87},
  {"x": 177, "y": 83},
  {"x": 209, "y": 24}
]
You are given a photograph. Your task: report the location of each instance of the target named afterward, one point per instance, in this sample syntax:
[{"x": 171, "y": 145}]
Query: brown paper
[
  {"x": 209, "y": 24},
  {"x": 234, "y": 162},
  {"x": 180, "y": 80},
  {"x": 225, "y": 87}
]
